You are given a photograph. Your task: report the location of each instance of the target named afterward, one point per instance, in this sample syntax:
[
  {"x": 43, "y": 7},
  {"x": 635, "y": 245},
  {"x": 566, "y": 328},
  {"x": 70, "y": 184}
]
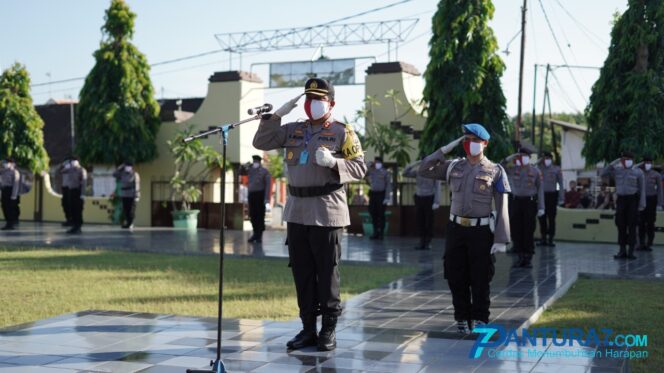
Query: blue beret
[{"x": 477, "y": 130}]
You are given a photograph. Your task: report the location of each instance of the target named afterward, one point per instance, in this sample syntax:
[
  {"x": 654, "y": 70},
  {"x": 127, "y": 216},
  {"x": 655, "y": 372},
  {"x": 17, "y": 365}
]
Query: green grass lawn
[
  {"x": 626, "y": 306},
  {"x": 40, "y": 283}
]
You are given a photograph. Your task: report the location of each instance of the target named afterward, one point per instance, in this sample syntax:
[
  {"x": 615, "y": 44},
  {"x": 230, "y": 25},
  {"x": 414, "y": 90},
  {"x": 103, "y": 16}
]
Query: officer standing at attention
[
  {"x": 77, "y": 178},
  {"x": 64, "y": 172},
  {"x": 321, "y": 155},
  {"x": 654, "y": 201},
  {"x": 427, "y": 199},
  {"x": 554, "y": 195},
  {"x": 631, "y": 192},
  {"x": 10, "y": 180},
  {"x": 474, "y": 234},
  {"x": 260, "y": 183},
  {"x": 130, "y": 191},
  {"x": 380, "y": 195},
  {"x": 526, "y": 204}
]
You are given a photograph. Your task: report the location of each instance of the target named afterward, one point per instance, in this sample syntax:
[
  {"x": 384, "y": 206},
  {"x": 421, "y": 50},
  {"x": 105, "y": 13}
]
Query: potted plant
[{"x": 193, "y": 163}]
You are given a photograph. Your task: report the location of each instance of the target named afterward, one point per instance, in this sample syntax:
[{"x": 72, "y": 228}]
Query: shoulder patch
[
  {"x": 351, "y": 147},
  {"x": 501, "y": 184}
]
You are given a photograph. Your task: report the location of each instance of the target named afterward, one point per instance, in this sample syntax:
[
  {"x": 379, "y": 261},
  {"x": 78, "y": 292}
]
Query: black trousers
[
  {"x": 548, "y": 220},
  {"x": 647, "y": 219},
  {"x": 627, "y": 209},
  {"x": 469, "y": 268},
  {"x": 75, "y": 207},
  {"x": 523, "y": 213},
  {"x": 128, "y": 209},
  {"x": 377, "y": 211},
  {"x": 66, "y": 200},
  {"x": 424, "y": 211},
  {"x": 257, "y": 210},
  {"x": 10, "y": 207},
  {"x": 314, "y": 253}
]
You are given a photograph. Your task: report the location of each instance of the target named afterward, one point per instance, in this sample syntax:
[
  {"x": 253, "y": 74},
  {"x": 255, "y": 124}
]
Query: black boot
[
  {"x": 621, "y": 254},
  {"x": 526, "y": 262},
  {"x": 542, "y": 242},
  {"x": 550, "y": 242},
  {"x": 630, "y": 253},
  {"x": 259, "y": 237},
  {"x": 252, "y": 238},
  {"x": 307, "y": 336},
  {"x": 327, "y": 338}
]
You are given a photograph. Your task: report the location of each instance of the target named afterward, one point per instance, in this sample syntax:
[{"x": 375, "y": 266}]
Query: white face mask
[
  {"x": 547, "y": 162},
  {"x": 476, "y": 148},
  {"x": 74, "y": 163},
  {"x": 319, "y": 109},
  {"x": 517, "y": 162},
  {"x": 67, "y": 166},
  {"x": 628, "y": 163},
  {"x": 525, "y": 159},
  {"x": 128, "y": 168},
  {"x": 255, "y": 165},
  {"x": 379, "y": 166},
  {"x": 648, "y": 166}
]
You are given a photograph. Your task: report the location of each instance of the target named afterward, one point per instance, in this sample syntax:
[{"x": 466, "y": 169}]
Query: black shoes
[
  {"x": 307, "y": 336},
  {"x": 256, "y": 237},
  {"x": 327, "y": 338},
  {"x": 74, "y": 230},
  {"x": 8, "y": 227}
]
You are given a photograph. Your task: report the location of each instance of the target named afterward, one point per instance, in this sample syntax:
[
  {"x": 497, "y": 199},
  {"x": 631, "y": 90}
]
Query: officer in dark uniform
[
  {"x": 427, "y": 199},
  {"x": 380, "y": 195},
  {"x": 321, "y": 155},
  {"x": 631, "y": 192},
  {"x": 654, "y": 201},
  {"x": 554, "y": 195},
  {"x": 260, "y": 183},
  {"x": 10, "y": 180},
  {"x": 64, "y": 172},
  {"x": 130, "y": 191},
  {"x": 77, "y": 178},
  {"x": 474, "y": 234},
  {"x": 526, "y": 203}
]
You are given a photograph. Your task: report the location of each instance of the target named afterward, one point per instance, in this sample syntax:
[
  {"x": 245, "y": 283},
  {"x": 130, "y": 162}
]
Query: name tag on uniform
[{"x": 304, "y": 157}]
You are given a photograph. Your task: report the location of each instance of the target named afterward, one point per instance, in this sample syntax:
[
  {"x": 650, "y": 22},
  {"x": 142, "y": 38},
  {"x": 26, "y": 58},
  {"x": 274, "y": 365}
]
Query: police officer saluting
[
  {"x": 10, "y": 180},
  {"x": 260, "y": 183},
  {"x": 427, "y": 199},
  {"x": 631, "y": 192},
  {"x": 654, "y": 201},
  {"x": 76, "y": 181},
  {"x": 526, "y": 203},
  {"x": 380, "y": 195},
  {"x": 130, "y": 191},
  {"x": 554, "y": 195},
  {"x": 475, "y": 182},
  {"x": 321, "y": 155}
]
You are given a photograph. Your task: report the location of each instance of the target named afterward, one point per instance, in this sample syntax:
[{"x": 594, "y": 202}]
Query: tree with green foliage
[
  {"x": 463, "y": 77},
  {"x": 382, "y": 137},
  {"x": 118, "y": 116},
  {"x": 21, "y": 135},
  {"x": 626, "y": 108}
]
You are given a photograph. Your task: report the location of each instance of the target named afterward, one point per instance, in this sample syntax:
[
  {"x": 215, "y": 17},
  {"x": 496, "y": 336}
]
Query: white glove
[
  {"x": 288, "y": 107},
  {"x": 540, "y": 212},
  {"x": 435, "y": 206},
  {"x": 325, "y": 158},
  {"x": 449, "y": 147},
  {"x": 136, "y": 199},
  {"x": 14, "y": 198},
  {"x": 386, "y": 202},
  {"x": 498, "y": 248},
  {"x": 82, "y": 197},
  {"x": 268, "y": 207},
  {"x": 659, "y": 208}
]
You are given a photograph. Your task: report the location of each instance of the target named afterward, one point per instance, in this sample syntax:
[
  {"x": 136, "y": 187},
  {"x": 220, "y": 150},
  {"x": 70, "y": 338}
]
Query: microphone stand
[{"x": 218, "y": 365}]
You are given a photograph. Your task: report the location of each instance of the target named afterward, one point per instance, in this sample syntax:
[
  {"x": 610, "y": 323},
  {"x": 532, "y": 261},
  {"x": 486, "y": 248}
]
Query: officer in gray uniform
[
  {"x": 631, "y": 192},
  {"x": 130, "y": 191},
  {"x": 63, "y": 170},
  {"x": 654, "y": 201},
  {"x": 474, "y": 234},
  {"x": 526, "y": 203},
  {"x": 554, "y": 195},
  {"x": 77, "y": 178},
  {"x": 380, "y": 195},
  {"x": 260, "y": 183},
  {"x": 321, "y": 155},
  {"x": 10, "y": 180},
  {"x": 427, "y": 199}
]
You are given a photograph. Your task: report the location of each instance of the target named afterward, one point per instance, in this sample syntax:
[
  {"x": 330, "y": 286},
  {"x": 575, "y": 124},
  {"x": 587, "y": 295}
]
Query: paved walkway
[{"x": 405, "y": 326}]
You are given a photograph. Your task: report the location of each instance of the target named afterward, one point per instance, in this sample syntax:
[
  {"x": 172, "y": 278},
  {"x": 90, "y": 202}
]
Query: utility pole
[{"x": 517, "y": 135}]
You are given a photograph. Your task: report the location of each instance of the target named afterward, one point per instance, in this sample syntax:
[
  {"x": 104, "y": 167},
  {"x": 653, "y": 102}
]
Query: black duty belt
[
  {"x": 526, "y": 198},
  {"x": 315, "y": 191}
]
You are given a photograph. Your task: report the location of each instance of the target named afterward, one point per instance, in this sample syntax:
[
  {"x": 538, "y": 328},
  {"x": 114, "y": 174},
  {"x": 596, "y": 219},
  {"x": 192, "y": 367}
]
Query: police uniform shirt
[
  {"x": 629, "y": 181},
  {"x": 75, "y": 178},
  {"x": 653, "y": 181},
  {"x": 552, "y": 176},
  {"x": 329, "y": 210},
  {"x": 379, "y": 180},
  {"x": 10, "y": 178},
  {"x": 66, "y": 176},
  {"x": 424, "y": 186},
  {"x": 473, "y": 188},
  {"x": 130, "y": 183},
  {"x": 526, "y": 181}
]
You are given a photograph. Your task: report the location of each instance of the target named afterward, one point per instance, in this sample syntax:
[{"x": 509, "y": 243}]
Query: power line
[
  {"x": 555, "y": 38},
  {"x": 565, "y": 95},
  {"x": 588, "y": 32}
]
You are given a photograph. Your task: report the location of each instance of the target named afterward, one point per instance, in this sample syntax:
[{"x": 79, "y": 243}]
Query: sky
[{"x": 56, "y": 40}]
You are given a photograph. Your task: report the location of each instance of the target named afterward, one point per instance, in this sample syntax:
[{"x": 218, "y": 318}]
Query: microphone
[{"x": 260, "y": 109}]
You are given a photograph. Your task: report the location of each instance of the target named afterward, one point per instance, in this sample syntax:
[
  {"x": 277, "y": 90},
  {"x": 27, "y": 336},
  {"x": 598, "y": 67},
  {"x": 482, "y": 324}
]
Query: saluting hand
[
  {"x": 449, "y": 147},
  {"x": 325, "y": 158},
  {"x": 288, "y": 106}
]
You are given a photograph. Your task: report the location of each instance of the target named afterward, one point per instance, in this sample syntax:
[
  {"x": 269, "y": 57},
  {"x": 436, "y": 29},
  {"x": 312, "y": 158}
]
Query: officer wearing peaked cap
[
  {"x": 631, "y": 192},
  {"x": 654, "y": 201},
  {"x": 260, "y": 184},
  {"x": 321, "y": 155},
  {"x": 474, "y": 233},
  {"x": 554, "y": 194}
]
